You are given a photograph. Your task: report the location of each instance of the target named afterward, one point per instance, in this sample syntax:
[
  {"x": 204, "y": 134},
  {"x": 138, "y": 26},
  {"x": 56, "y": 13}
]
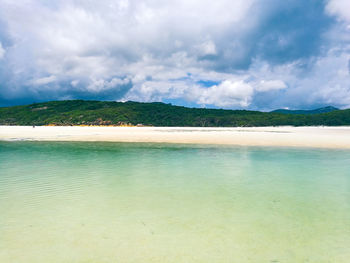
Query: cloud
[
  {"x": 207, "y": 48},
  {"x": 270, "y": 85},
  {"x": 340, "y": 8},
  {"x": 2, "y": 51},
  {"x": 228, "y": 93},
  {"x": 44, "y": 81},
  {"x": 233, "y": 54}
]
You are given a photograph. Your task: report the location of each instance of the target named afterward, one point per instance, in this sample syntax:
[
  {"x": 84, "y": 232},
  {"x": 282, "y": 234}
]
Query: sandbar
[{"x": 319, "y": 137}]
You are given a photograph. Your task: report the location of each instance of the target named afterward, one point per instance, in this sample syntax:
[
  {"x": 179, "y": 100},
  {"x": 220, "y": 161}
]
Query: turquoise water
[{"x": 108, "y": 202}]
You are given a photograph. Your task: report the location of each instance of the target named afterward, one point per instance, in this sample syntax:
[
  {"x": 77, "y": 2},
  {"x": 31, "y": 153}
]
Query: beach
[{"x": 316, "y": 137}]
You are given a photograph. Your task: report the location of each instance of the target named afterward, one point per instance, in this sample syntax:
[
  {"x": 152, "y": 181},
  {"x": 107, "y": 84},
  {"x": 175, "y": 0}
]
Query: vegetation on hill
[
  {"x": 316, "y": 111},
  {"x": 79, "y": 112}
]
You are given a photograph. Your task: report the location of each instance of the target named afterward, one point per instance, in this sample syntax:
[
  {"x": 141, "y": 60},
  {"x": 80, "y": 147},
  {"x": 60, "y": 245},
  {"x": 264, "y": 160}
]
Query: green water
[{"x": 116, "y": 203}]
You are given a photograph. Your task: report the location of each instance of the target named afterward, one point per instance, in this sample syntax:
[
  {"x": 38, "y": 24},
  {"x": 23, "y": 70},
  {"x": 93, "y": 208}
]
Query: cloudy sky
[{"x": 241, "y": 54}]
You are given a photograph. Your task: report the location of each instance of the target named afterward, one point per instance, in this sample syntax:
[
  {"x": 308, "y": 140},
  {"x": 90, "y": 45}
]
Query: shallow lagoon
[{"x": 112, "y": 202}]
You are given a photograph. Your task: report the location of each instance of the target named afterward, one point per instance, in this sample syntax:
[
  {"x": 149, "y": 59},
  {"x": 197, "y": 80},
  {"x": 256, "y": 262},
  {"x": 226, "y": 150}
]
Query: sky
[{"x": 241, "y": 54}]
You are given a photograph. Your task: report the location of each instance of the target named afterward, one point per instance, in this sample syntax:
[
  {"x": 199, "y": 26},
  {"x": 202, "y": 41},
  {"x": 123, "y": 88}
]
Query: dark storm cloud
[{"x": 285, "y": 31}]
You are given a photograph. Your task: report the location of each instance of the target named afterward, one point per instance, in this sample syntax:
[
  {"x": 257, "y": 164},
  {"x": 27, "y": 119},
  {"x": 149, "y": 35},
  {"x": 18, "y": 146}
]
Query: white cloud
[
  {"x": 98, "y": 85},
  {"x": 270, "y": 85},
  {"x": 332, "y": 78},
  {"x": 2, "y": 51},
  {"x": 327, "y": 82},
  {"x": 207, "y": 48},
  {"x": 340, "y": 8},
  {"x": 44, "y": 81},
  {"x": 84, "y": 42},
  {"x": 229, "y": 93}
]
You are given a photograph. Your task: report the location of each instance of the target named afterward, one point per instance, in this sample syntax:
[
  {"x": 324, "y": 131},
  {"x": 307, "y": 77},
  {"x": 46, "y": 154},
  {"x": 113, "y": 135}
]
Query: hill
[
  {"x": 80, "y": 112},
  {"x": 315, "y": 111}
]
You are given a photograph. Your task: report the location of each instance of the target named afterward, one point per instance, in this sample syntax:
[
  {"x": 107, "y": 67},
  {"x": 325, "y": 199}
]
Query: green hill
[
  {"x": 79, "y": 112},
  {"x": 316, "y": 111}
]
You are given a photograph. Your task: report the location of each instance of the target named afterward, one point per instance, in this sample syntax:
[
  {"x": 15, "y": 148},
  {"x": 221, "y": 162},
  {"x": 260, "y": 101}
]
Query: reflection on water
[{"x": 109, "y": 202}]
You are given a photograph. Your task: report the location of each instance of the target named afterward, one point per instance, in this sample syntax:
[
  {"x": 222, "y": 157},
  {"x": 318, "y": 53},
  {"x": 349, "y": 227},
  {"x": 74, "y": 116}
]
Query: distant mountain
[
  {"x": 80, "y": 112},
  {"x": 315, "y": 111}
]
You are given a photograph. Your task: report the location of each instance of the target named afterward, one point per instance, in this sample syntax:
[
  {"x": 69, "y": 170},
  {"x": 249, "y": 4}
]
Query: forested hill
[
  {"x": 315, "y": 111},
  {"x": 79, "y": 112}
]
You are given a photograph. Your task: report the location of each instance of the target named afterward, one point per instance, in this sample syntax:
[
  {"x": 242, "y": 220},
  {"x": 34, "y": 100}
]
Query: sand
[{"x": 319, "y": 137}]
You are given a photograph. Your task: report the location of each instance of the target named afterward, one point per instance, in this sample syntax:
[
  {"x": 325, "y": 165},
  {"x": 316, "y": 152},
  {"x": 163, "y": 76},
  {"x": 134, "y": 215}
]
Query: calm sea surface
[{"x": 116, "y": 203}]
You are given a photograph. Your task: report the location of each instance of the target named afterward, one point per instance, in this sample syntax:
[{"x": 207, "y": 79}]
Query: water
[{"x": 108, "y": 202}]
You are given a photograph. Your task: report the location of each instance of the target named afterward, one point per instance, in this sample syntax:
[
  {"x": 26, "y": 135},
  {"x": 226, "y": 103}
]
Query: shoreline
[{"x": 285, "y": 136}]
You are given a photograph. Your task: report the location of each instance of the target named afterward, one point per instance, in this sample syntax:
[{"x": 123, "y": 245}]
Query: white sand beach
[{"x": 320, "y": 137}]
